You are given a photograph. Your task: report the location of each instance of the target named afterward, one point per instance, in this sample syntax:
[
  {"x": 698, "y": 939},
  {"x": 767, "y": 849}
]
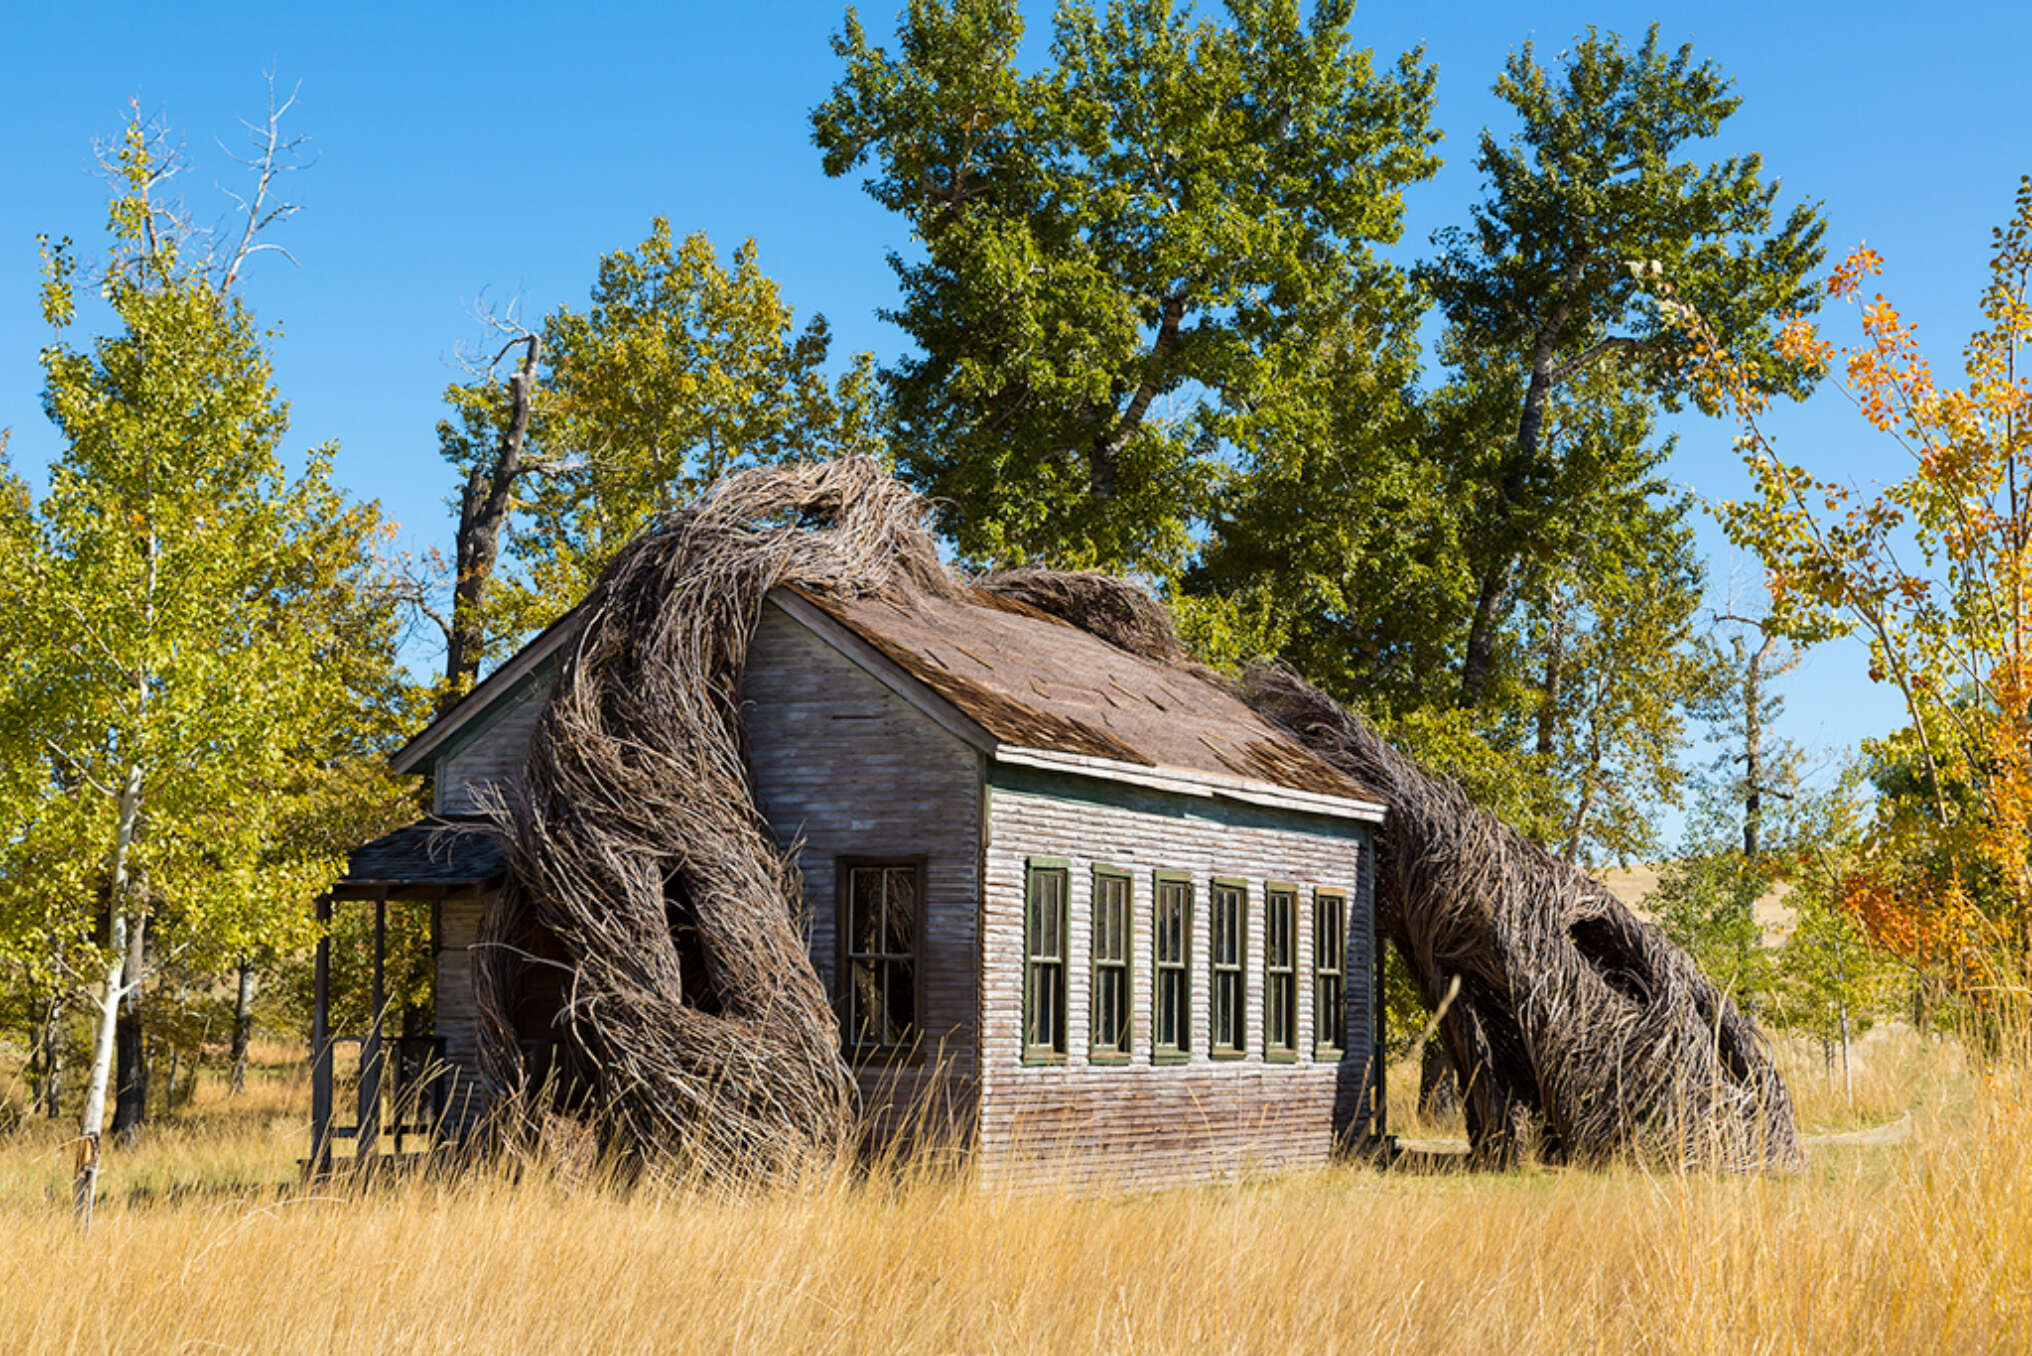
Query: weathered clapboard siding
[
  {"x": 852, "y": 770},
  {"x": 493, "y": 756},
  {"x": 1167, "y": 1122},
  {"x": 457, "y": 1005}
]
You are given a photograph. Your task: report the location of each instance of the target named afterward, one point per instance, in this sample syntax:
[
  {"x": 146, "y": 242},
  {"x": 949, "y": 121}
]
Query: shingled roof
[
  {"x": 1034, "y": 681},
  {"x": 435, "y": 851}
]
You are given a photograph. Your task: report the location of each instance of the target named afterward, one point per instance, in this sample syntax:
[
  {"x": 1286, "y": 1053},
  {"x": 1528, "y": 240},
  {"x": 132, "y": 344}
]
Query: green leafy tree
[
  {"x": 1339, "y": 547},
  {"x": 1622, "y": 671},
  {"x": 170, "y": 604},
  {"x": 681, "y": 371},
  {"x": 1590, "y": 206},
  {"x": 1131, "y": 259}
]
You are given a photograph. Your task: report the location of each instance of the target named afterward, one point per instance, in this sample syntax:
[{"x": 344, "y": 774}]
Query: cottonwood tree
[
  {"x": 1130, "y": 257},
  {"x": 1588, "y": 207},
  {"x": 680, "y": 371},
  {"x": 169, "y": 603}
]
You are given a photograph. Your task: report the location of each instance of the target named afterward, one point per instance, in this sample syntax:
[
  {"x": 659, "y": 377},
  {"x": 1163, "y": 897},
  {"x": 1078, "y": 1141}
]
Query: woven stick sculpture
[
  {"x": 695, "y": 1031},
  {"x": 1576, "y": 1022}
]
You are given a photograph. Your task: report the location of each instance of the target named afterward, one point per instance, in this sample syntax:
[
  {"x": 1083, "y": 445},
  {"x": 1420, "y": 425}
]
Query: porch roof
[{"x": 436, "y": 851}]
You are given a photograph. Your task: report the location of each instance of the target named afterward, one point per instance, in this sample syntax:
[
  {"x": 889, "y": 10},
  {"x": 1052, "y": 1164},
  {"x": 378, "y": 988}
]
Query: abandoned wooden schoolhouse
[{"x": 1092, "y": 901}]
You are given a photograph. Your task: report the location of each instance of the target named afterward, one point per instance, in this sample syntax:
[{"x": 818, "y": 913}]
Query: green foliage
[
  {"x": 1591, "y": 201},
  {"x": 1706, "y": 901},
  {"x": 1591, "y": 213},
  {"x": 1340, "y": 545},
  {"x": 1832, "y": 982},
  {"x": 681, "y": 371},
  {"x": 1130, "y": 258},
  {"x": 202, "y": 653},
  {"x": 1508, "y": 542}
]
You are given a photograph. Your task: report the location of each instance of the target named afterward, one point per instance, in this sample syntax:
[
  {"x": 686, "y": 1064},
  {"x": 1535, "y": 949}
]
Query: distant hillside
[{"x": 1632, "y": 883}]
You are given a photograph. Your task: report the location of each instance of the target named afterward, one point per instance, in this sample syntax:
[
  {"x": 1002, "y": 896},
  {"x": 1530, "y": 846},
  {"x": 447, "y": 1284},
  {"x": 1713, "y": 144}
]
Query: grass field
[{"x": 204, "y": 1243}]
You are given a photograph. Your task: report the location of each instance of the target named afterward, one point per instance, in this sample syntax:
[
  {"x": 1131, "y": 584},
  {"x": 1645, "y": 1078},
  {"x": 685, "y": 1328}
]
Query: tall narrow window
[
  {"x": 1280, "y": 974},
  {"x": 1227, "y": 1037},
  {"x": 1171, "y": 982},
  {"x": 881, "y": 916},
  {"x": 1329, "y": 973},
  {"x": 1111, "y": 966},
  {"x": 1044, "y": 963}
]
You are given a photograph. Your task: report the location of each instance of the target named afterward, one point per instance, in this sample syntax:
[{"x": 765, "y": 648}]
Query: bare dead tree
[
  {"x": 484, "y": 504},
  {"x": 1755, "y": 668},
  {"x": 261, "y": 207}
]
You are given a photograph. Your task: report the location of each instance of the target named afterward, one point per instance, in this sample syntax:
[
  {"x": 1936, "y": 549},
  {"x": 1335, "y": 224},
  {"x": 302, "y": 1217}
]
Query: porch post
[
  {"x": 321, "y": 1045},
  {"x": 368, "y": 1144}
]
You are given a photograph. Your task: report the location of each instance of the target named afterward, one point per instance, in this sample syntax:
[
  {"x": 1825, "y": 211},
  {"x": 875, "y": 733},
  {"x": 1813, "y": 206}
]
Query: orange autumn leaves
[{"x": 1933, "y": 569}]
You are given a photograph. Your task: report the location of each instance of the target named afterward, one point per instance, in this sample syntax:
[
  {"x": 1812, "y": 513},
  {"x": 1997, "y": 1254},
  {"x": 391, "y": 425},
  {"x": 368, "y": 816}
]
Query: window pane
[
  {"x": 1111, "y": 919},
  {"x": 1277, "y": 930},
  {"x": 880, "y": 936},
  {"x": 899, "y": 913},
  {"x": 864, "y": 911},
  {"x": 1044, "y": 961},
  {"x": 1051, "y": 899},
  {"x": 901, "y": 1002},
  {"x": 866, "y": 1020}
]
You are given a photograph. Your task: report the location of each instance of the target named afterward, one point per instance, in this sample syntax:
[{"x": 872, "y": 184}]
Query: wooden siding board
[
  {"x": 492, "y": 758},
  {"x": 846, "y": 768},
  {"x": 1144, "y": 1122},
  {"x": 457, "y": 1004}
]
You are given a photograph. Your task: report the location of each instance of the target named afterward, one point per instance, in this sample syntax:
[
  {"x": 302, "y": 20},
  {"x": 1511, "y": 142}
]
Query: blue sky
[{"x": 503, "y": 148}]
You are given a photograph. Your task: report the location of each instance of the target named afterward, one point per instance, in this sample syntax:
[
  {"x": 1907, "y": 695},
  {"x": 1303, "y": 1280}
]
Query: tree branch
[
  {"x": 1108, "y": 449},
  {"x": 1588, "y": 356}
]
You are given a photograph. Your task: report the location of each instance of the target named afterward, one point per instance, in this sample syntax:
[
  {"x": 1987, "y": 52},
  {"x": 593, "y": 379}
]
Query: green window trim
[
  {"x": 1111, "y": 972},
  {"x": 1280, "y": 972},
  {"x": 1228, "y": 969},
  {"x": 1046, "y": 914},
  {"x": 1329, "y": 973},
  {"x": 1171, "y": 904}
]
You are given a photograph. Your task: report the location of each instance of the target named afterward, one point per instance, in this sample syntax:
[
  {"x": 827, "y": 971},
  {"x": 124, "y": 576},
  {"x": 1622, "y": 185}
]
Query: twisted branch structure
[
  {"x": 695, "y": 1028},
  {"x": 1576, "y": 1023}
]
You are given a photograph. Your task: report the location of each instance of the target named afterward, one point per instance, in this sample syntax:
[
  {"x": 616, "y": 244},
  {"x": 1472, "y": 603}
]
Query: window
[
  {"x": 1111, "y": 966},
  {"x": 1171, "y": 987},
  {"x": 1044, "y": 963},
  {"x": 1227, "y": 1037},
  {"x": 881, "y": 954},
  {"x": 1329, "y": 973},
  {"x": 1280, "y": 973}
]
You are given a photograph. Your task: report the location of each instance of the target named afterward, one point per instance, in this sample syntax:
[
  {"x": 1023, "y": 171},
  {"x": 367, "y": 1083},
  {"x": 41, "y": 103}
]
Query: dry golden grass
[{"x": 1924, "y": 1244}]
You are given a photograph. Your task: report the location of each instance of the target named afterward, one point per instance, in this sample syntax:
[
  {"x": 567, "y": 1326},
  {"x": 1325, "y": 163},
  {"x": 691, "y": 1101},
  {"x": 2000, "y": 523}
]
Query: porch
[{"x": 392, "y": 1066}]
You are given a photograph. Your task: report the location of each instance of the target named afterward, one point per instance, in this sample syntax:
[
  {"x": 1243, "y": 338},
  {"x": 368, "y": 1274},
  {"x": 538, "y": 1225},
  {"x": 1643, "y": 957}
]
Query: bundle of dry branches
[
  {"x": 1575, "y": 1022},
  {"x": 695, "y": 1031}
]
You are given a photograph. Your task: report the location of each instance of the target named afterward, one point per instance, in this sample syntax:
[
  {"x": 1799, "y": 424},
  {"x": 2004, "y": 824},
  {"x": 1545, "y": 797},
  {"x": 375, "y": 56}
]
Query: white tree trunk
[
  {"x": 243, "y": 1026},
  {"x": 87, "y": 1184},
  {"x": 1848, "y": 1080},
  {"x": 126, "y": 934}
]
